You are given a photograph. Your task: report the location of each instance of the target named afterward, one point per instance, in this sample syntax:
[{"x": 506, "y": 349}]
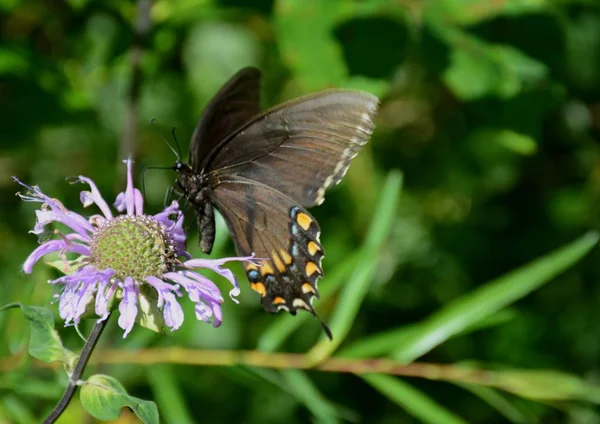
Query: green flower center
[{"x": 133, "y": 246}]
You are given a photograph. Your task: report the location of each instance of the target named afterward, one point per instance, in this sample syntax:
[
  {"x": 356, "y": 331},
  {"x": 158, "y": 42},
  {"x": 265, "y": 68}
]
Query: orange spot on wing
[
  {"x": 303, "y": 220},
  {"x": 311, "y": 268},
  {"x": 307, "y": 288},
  {"x": 259, "y": 288},
  {"x": 313, "y": 248},
  {"x": 278, "y": 300},
  {"x": 285, "y": 256},
  {"x": 278, "y": 264},
  {"x": 266, "y": 269}
]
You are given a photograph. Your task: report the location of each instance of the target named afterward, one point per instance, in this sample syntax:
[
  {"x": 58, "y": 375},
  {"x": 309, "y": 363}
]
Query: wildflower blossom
[{"x": 130, "y": 258}]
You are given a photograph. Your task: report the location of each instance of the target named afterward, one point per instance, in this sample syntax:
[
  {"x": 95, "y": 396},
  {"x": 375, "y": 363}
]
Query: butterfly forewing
[
  {"x": 301, "y": 147},
  {"x": 232, "y": 107}
]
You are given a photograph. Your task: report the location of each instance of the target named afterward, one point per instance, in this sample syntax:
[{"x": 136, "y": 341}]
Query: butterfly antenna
[
  {"x": 176, "y": 142},
  {"x": 165, "y": 140}
]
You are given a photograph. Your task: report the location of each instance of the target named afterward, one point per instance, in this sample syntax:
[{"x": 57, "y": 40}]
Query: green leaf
[
  {"x": 16, "y": 409},
  {"x": 374, "y": 86},
  {"x": 546, "y": 385},
  {"x": 413, "y": 401},
  {"x": 304, "y": 390},
  {"x": 518, "y": 143},
  {"x": 470, "y": 12},
  {"x": 305, "y": 38},
  {"x": 212, "y": 53},
  {"x": 384, "y": 342},
  {"x": 45, "y": 343},
  {"x": 104, "y": 397},
  {"x": 13, "y": 61},
  {"x": 358, "y": 285},
  {"x": 150, "y": 316},
  {"x": 490, "y": 298},
  {"x": 168, "y": 394},
  {"x": 497, "y": 401},
  {"x": 67, "y": 267},
  {"x": 478, "y": 69}
]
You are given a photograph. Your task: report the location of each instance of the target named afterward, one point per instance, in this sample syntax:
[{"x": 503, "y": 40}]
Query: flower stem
[{"x": 84, "y": 357}]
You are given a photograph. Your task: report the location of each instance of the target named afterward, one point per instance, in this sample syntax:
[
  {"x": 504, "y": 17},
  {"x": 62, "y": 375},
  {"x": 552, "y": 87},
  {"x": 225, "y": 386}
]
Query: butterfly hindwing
[
  {"x": 302, "y": 147},
  {"x": 282, "y": 235}
]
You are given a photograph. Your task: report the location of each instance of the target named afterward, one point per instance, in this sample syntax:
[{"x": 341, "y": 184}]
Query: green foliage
[
  {"x": 490, "y": 298},
  {"x": 415, "y": 402},
  {"x": 488, "y": 129},
  {"x": 356, "y": 288},
  {"x": 104, "y": 397},
  {"x": 45, "y": 343}
]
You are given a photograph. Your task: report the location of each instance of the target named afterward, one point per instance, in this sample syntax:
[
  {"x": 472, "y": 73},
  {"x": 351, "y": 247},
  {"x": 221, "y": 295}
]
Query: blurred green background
[{"x": 491, "y": 111}]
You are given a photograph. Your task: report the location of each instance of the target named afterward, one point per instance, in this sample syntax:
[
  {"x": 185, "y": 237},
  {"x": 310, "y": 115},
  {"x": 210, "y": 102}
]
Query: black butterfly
[{"x": 260, "y": 170}]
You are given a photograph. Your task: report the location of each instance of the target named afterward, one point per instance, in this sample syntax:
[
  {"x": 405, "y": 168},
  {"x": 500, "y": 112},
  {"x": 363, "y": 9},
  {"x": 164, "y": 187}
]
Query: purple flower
[{"x": 129, "y": 258}]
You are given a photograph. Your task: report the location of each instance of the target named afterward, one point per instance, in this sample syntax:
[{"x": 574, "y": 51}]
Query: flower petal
[
  {"x": 128, "y": 307},
  {"x": 93, "y": 196},
  {"x": 53, "y": 246},
  {"x": 103, "y": 296},
  {"x": 172, "y": 218},
  {"x": 173, "y": 312},
  {"x": 203, "y": 292},
  {"x": 77, "y": 295},
  {"x": 216, "y": 266}
]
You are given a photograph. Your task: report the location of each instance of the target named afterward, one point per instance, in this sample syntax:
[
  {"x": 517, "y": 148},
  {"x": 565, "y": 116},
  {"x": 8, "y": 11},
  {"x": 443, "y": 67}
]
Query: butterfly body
[{"x": 260, "y": 170}]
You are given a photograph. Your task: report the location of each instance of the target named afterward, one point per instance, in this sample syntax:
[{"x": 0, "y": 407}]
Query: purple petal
[
  {"x": 74, "y": 300},
  {"x": 120, "y": 203},
  {"x": 53, "y": 246},
  {"x": 203, "y": 312},
  {"x": 203, "y": 292},
  {"x": 218, "y": 319},
  {"x": 216, "y": 266},
  {"x": 128, "y": 307},
  {"x": 93, "y": 196},
  {"x": 173, "y": 312},
  {"x": 103, "y": 296},
  {"x": 131, "y": 200},
  {"x": 197, "y": 286},
  {"x": 58, "y": 213},
  {"x": 138, "y": 201},
  {"x": 174, "y": 226}
]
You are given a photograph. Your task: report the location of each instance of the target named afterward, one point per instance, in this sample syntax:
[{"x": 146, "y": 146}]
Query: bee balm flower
[{"x": 130, "y": 258}]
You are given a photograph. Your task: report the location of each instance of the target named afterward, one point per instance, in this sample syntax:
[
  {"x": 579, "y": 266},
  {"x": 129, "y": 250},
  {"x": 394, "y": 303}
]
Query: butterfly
[{"x": 260, "y": 170}]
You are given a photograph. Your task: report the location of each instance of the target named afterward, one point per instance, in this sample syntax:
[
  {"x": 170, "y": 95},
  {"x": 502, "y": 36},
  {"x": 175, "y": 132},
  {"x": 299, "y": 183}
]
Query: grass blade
[
  {"x": 384, "y": 342},
  {"x": 357, "y": 286},
  {"x": 306, "y": 392},
  {"x": 498, "y": 402},
  {"x": 412, "y": 400},
  {"x": 168, "y": 395},
  {"x": 490, "y": 298}
]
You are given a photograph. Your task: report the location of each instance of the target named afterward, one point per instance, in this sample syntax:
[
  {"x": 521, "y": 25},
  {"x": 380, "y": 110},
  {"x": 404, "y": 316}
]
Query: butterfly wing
[
  {"x": 282, "y": 235},
  {"x": 301, "y": 147},
  {"x": 235, "y": 103}
]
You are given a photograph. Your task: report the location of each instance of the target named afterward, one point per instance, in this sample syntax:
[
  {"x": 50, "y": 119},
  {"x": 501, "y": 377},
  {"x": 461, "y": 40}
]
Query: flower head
[{"x": 130, "y": 258}]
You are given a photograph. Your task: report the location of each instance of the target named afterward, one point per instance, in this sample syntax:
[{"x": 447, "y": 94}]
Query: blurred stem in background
[{"x": 141, "y": 29}]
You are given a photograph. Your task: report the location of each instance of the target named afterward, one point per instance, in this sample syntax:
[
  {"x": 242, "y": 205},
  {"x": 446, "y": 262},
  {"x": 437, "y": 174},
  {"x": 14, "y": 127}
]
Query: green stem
[{"x": 74, "y": 378}]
